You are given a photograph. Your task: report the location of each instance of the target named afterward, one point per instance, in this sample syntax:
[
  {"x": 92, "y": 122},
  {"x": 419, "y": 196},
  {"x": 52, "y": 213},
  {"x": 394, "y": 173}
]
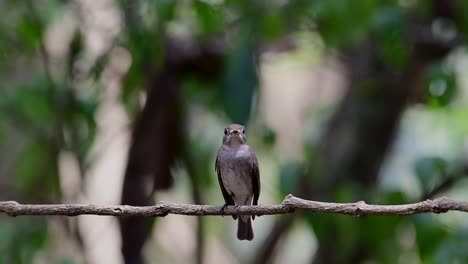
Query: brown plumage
[{"x": 238, "y": 175}]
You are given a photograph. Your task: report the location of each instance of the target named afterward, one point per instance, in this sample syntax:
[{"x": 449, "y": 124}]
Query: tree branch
[{"x": 289, "y": 204}]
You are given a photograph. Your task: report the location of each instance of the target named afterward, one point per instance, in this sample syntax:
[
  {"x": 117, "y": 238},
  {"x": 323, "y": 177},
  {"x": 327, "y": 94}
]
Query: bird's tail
[{"x": 244, "y": 228}]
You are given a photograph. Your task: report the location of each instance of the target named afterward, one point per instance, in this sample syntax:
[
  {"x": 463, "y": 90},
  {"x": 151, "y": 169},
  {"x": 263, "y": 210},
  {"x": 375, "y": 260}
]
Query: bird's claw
[{"x": 223, "y": 209}]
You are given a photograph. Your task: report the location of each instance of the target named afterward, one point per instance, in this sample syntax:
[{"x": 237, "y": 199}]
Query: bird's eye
[
  {"x": 226, "y": 131},
  {"x": 243, "y": 131}
]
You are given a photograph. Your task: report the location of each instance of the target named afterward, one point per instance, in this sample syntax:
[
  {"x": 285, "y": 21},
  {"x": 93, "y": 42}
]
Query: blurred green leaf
[
  {"x": 2, "y": 127},
  {"x": 380, "y": 235},
  {"x": 463, "y": 20},
  {"x": 376, "y": 234},
  {"x": 32, "y": 160},
  {"x": 204, "y": 93},
  {"x": 30, "y": 32},
  {"x": 390, "y": 29},
  {"x": 83, "y": 125},
  {"x": 369, "y": 88},
  {"x": 346, "y": 192},
  {"x": 239, "y": 82},
  {"x": 3, "y": 49},
  {"x": 201, "y": 156},
  {"x": 37, "y": 165},
  {"x": 209, "y": 18},
  {"x": 269, "y": 137},
  {"x": 429, "y": 235},
  {"x": 132, "y": 85},
  {"x": 32, "y": 104},
  {"x": 76, "y": 48},
  {"x": 349, "y": 226},
  {"x": 451, "y": 250},
  {"x": 391, "y": 197},
  {"x": 273, "y": 24},
  {"x": 99, "y": 66},
  {"x": 441, "y": 85},
  {"x": 148, "y": 55},
  {"x": 21, "y": 239},
  {"x": 66, "y": 261},
  {"x": 430, "y": 171},
  {"x": 344, "y": 22},
  {"x": 289, "y": 178},
  {"x": 327, "y": 226},
  {"x": 166, "y": 9}
]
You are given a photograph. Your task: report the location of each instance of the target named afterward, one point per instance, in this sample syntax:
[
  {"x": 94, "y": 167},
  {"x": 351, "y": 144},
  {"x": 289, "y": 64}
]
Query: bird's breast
[
  {"x": 238, "y": 160},
  {"x": 236, "y": 169}
]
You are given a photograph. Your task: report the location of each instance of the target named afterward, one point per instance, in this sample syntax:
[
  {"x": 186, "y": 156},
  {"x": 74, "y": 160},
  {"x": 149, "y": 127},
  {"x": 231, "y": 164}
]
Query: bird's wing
[
  {"x": 227, "y": 198},
  {"x": 255, "y": 180}
]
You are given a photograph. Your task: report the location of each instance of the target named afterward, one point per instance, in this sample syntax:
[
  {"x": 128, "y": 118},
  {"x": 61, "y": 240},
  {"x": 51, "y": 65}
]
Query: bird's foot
[{"x": 223, "y": 209}]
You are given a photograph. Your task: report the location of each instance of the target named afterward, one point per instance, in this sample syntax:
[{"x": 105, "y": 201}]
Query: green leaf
[
  {"x": 21, "y": 239},
  {"x": 239, "y": 82},
  {"x": 132, "y": 85},
  {"x": 83, "y": 125},
  {"x": 66, "y": 261},
  {"x": 166, "y": 9},
  {"x": 29, "y": 31},
  {"x": 201, "y": 158},
  {"x": 148, "y": 54},
  {"x": 441, "y": 85},
  {"x": 328, "y": 227},
  {"x": 391, "y": 197},
  {"x": 289, "y": 178},
  {"x": 380, "y": 231},
  {"x": 202, "y": 92},
  {"x": 430, "y": 171},
  {"x": 273, "y": 24},
  {"x": 390, "y": 29},
  {"x": 32, "y": 104},
  {"x": 209, "y": 18},
  {"x": 99, "y": 66},
  {"x": 452, "y": 248},
  {"x": 76, "y": 48},
  {"x": 2, "y": 127},
  {"x": 429, "y": 235},
  {"x": 343, "y": 23},
  {"x": 30, "y": 162},
  {"x": 269, "y": 137},
  {"x": 37, "y": 165},
  {"x": 463, "y": 20}
]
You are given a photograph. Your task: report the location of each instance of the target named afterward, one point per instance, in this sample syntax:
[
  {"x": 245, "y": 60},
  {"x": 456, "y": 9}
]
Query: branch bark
[{"x": 289, "y": 205}]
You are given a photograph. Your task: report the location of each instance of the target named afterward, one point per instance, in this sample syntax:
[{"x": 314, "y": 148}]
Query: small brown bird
[{"x": 238, "y": 175}]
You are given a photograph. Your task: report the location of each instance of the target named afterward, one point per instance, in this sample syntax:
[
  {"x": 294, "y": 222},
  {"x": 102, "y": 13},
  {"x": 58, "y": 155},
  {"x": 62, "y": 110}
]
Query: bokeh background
[{"x": 110, "y": 102}]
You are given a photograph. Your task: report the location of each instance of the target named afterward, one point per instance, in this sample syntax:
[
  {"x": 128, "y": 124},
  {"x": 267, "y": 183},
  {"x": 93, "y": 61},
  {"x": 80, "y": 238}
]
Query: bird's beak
[{"x": 235, "y": 132}]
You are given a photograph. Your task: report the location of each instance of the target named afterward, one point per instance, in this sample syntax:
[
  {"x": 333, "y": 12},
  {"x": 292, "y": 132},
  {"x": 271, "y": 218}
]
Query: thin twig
[
  {"x": 442, "y": 186},
  {"x": 289, "y": 204},
  {"x": 447, "y": 182}
]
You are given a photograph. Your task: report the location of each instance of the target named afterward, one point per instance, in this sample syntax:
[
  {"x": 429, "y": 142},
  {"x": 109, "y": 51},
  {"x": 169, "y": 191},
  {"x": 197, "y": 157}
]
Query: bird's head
[{"x": 234, "y": 135}]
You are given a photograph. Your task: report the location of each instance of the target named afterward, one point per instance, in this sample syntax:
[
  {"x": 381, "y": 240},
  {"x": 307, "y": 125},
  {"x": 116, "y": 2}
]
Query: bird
[{"x": 238, "y": 176}]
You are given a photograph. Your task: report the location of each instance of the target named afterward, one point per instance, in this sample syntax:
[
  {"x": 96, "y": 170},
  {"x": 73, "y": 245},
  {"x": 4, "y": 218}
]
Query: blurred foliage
[
  {"x": 237, "y": 93},
  {"x": 289, "y": 178},
  {"x": 21, "y": 238},
  {"x": 441, "y": 85},
  {"x": 390, "y": 29},
  {"x": 430, "y": 172},
  {"x": 48, "y": 106},
  {"x": 336, "y": 17}
]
